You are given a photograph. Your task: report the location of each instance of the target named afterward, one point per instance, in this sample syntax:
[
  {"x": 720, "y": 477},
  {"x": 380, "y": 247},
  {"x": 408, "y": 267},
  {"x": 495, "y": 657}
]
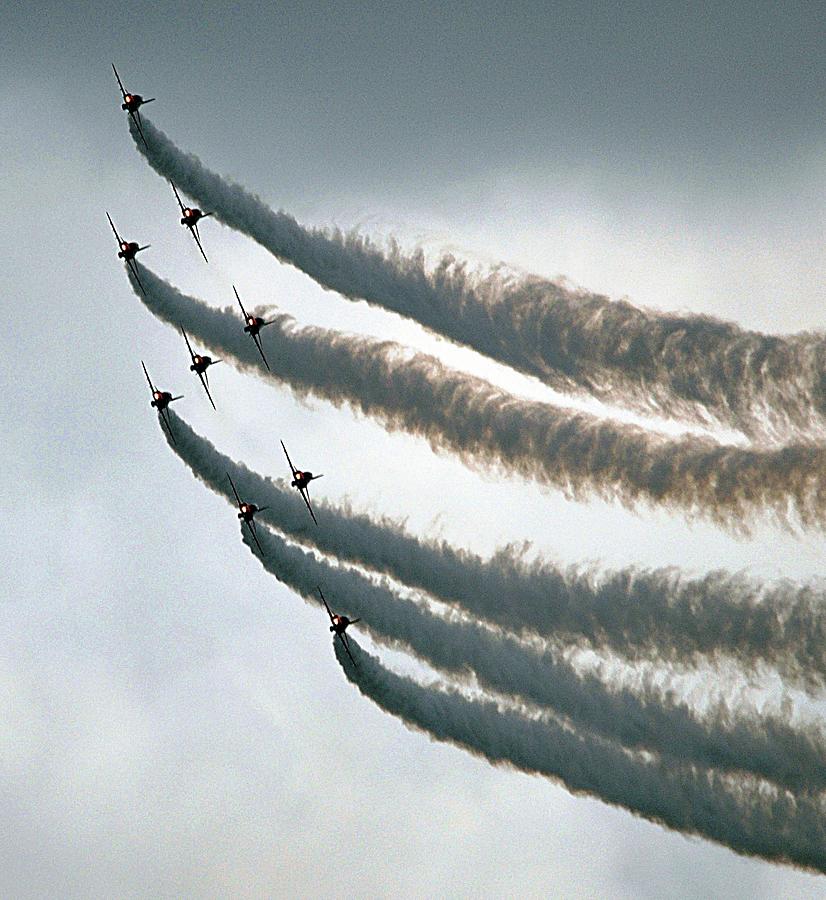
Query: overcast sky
[{"x": 173, "y": 720}]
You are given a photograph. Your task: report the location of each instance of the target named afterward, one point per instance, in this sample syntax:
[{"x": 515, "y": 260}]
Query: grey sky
[{"x": 174, "y": 721}]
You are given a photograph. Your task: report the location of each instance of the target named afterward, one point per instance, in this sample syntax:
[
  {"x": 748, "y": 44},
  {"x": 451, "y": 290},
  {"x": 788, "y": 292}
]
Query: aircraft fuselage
[
  {"x": 248, "y": 510},
  {"x": 131, "y": 102},
  {"x": 254, "y": 325},
  {"x": 128, "y": 250},
  {"x": 161, "y": 399},
  {"x": 191, "y": 216},
  {"x": 340, "y": 624}
]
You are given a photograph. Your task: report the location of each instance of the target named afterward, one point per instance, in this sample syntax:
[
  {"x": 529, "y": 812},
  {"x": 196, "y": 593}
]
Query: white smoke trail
[
  {"x": 750, "y": 819},
  {"x": 685, "y": 366},
  {"x": 575, "y": 452},
  {"x": 639, "y": 614},
  {"x": 737, "y": 740}
]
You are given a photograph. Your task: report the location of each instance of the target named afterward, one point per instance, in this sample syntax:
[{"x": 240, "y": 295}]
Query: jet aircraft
[
  {"x": 127, "y": 251},
  {"x": 132, "y": 103},
  {"x": 338, "y": 625},
  {"x": 190, "y": 216},
  {"x": 161, "y": 400},
  {"x": 253, "y": 326},
  {"x": 301, "y": 481},
  {"x": 200, "y": 364},
  {"x": 246, "y": 512}
]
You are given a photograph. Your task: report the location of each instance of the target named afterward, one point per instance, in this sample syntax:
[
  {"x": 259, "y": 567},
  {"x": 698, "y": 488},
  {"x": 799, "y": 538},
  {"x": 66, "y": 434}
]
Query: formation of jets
[{"x": 200, "y": 363}]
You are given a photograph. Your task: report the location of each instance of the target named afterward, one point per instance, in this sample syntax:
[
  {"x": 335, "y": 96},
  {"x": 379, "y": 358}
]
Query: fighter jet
[
  {"x": 338, "y": 625},
  {"x": 301, "y": 481},
  {"x": 200, "y": 364},
  {"x": 190, "y": 216},
  {"x": 132, "y": 103},
  {"x": 246, "y": 512},
  {"x": 253, "y": 326},
  {"x": 161, "y": 400},
  {"x": 127, "y": 251}
]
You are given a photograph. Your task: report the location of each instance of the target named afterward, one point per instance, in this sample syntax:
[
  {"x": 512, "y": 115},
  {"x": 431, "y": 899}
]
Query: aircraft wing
[
  {"x": 177, "y": 197},
  {"x": 292, "y": 467},
  {"x": 243, "y": 311},
  {"x": 232, "y": 484},
  {"x": 306, "y": 496},
  {"x": 120, "y": 83},
  {"x": 188, "y": 345},
  {"x": 136, "y": 118},
  {"x": 117, "y": 236},
  {"x": 151, "y": 386},
  {"x": 324, "y": 601},
  {"x": 206, "y": 388},
  {"x": 347, "y": 649},
  {"x": 257, "y": 341},
  {"x": 251, "y": 526},
  {"x": 194, "y": 230},
  {"x": 165, "y": 420},
  {"x": 133, "y": 268}
]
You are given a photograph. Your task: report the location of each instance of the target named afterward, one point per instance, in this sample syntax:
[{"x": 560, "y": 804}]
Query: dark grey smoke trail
[
  {"x": 575, "y": 452},
  {"x": 638, "y": 614},
  {"x": 749, "y": 820},
  {"x": 689, "y": 366},
  {"x": 728, "y": 739}
]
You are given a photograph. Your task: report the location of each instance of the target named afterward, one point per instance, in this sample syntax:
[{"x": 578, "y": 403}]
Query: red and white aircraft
[
  {"x": 338, "y": 625},
  {"x": 161, "y": 400},
  {"x": 200, "y": 364},
  {"x": 246, "y": 512},
  {"x": 253, "y": 326},
  {"x": 132, "y": 103},
  {"x": 301, "y": 481},
  {"x": 191, "y": 216},
  {"x": 127, "y": 251}
]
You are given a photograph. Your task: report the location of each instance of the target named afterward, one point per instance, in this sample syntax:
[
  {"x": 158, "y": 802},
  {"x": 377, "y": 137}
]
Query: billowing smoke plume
[
  {"x": 750, "y": 819},
  {"x": 688, "y": 366},
  {"x": 646, "y": 718},
  {"x": 639, "y": 614},
  {"x": 575, "y": 452}
]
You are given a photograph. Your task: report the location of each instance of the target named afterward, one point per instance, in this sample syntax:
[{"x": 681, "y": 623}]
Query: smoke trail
[
  {"x": 748, "y": 819},
  {"x": 766, "y": 745},
  {"x": 689, "y": 366},
  {"x": 638, "y": 614},
  {"x": 574, "y": 452}
]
